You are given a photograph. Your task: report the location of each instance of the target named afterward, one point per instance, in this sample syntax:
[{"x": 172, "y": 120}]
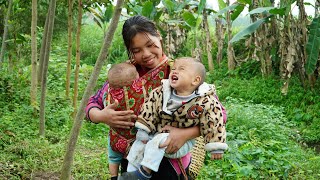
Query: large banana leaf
[
  {"x": 170, "y": 5},
  {"x": 248, "y": 30},
  {"x": 261, "y": 10},
  {"x": 237, "y": 11},
  {"x": 190, "y": 20},
  {"x": 271, "y": 10},
  {"x": 148, "y": 9},
  {"x": 201, "y": 6},
  {"x": 226, "y": 9},
  {"x": 313, "y": 46},
  {"x": 222, "y": 4}
]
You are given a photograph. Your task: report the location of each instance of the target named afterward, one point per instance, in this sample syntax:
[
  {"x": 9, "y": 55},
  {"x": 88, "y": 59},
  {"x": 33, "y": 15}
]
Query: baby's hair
[
  {"x": 199, "y": 67},
  {"x": 122, "y": 74}
]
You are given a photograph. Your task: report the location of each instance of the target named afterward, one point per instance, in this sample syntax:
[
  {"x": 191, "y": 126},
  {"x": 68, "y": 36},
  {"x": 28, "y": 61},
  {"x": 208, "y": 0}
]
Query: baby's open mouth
[{"x": 174, "y": 78}]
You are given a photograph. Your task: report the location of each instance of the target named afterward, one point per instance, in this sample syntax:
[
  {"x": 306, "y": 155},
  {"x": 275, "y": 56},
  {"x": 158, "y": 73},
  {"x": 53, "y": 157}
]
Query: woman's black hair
[{"x": 134, "y": 25}]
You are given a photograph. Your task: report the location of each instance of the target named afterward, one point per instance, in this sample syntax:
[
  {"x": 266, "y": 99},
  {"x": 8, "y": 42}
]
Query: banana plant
[
  {"x": 227, "y": 13},
  {"x": 102, "y": 16},
  {"x": 146, "y": 8},
  {"x": 270, "y": 11},
  {"x": 313, "y": 46},
  {"x": 193, "y": 18}
]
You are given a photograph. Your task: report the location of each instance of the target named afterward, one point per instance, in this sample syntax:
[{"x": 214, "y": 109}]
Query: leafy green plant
[
  {"x": 259, "y": 147},
  {"x": 313, "y": 45}
]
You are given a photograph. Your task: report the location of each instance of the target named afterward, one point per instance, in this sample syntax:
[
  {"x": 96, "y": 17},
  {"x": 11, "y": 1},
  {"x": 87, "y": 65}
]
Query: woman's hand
[
  {"x": 116, "y": 119},
  {"x": 178, "y": 137}
]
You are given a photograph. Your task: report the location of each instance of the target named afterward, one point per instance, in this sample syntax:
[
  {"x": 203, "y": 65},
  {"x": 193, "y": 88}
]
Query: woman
[{"x": 144, "y": 46}]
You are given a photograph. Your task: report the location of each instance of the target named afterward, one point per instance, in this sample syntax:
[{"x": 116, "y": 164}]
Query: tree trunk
[
  {"x": 316, "y": 14},
  {"x": 316, "y": 8},
  {"x": 43, "y": 48},
  {"x": 5, "y": 32},
  {"x": 220, "y": 30},
  {"x": 288, "y": 51},
  {"x": 68, "y": 158},
  {"x": 197, "y": 49},
  {"x": 301, "y": 39},
  {"x": 231, "y": 56},
  {"x": 34, "y": 58},
  {"x": 51, "y": 14},
  {"x": 208, "y": 40},
  {"x": 70, "y": 27},
  {"x": 169, "y": 43},
  {"x": 76, "y": 75}
]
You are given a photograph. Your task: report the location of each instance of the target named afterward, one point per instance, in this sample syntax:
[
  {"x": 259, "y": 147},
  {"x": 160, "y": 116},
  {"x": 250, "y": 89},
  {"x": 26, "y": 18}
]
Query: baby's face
[{"x": 182, "y": 75}]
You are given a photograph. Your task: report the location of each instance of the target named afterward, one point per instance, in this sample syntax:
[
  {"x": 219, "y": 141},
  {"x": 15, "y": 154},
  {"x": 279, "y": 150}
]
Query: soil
[
  {"x": 45, "y": 176},
  {"x": 316, "y": 146}
]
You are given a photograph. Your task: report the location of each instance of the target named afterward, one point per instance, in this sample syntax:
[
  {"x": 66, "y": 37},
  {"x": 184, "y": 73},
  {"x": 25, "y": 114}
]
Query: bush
[{"x": 259, "y": 147}]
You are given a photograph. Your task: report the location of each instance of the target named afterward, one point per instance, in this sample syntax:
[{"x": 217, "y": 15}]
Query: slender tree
[
  {"x": 34, "y": 58},
  {"x": 5, "y": 32},
  {"x": 51, "y": 15},
  {"x": 43, "y": 48},
  {"x": 76, "y": 76},
  {"x": 316, "y": 8},
  {"x": 208, "y": 40},
  {"x": 220, "y": 30},
  {"x": 301, "y": 40},
  {"x": 70, "y": 28},
  {"x": 68, "y": 158},
  {"x": 230, "y": 51}
]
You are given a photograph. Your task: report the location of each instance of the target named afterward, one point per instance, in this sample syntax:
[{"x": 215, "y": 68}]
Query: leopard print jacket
[{"x": 203, "y": 111}]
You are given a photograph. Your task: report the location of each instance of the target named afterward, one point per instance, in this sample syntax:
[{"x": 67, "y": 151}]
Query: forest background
[{"x": 264, "y": 63}]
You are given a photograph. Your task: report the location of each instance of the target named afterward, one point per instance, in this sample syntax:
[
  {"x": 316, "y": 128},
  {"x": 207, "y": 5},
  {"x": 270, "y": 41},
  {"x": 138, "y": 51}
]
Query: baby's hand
[{"x": 216, "y": 156}]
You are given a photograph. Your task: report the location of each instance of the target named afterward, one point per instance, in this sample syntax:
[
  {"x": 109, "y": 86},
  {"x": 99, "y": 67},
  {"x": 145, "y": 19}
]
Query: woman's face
[{"x": 146, "y": 50}]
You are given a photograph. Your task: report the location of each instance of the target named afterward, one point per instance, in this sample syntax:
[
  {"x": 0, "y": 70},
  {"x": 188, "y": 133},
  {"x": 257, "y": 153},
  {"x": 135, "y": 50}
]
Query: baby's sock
[
  {"x": 139, "y": 174},
  {"x": 143, "y": 174},
  {"x": 131, "y": 167},
  {"x": 114, "y": 178}
]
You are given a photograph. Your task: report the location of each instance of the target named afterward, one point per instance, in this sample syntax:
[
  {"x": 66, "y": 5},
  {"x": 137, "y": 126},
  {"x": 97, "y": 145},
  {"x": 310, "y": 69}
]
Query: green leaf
[
  {"x": 280, "y": 11},
  {"x": 245, "y": 2},
  {"x": 156, "y": 2},
  {"x": 157, "y": 15},
  {"x": 199, "y": 21},
  {"x": 108, "y": 13},
  {"x": 313, "y": 46},
  {"x": 261, "y": 10},
  {"x": 248, "y": 30},
  {"x": 222, "y": 4},
  {"x": 308, "y": 4},
  {"x": 229, "y": 8},
  {"x": 180, "y": 6},
  {"x": 237, "y": 12},
  {"x": 95, "y": 13},
  {"x": 169, "y": 5},
  {"x": 201, "y": 6},
  {"x": 147, "y": 9},
  {"x": 135, "y": 8},
  {"x": 189, "y": 19}
]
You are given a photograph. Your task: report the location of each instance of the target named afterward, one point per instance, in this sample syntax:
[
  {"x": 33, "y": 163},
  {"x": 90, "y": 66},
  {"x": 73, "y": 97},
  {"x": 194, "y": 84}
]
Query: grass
[
  {"x": 263, "y": 142},
  {"x": 262, "y": 145}
]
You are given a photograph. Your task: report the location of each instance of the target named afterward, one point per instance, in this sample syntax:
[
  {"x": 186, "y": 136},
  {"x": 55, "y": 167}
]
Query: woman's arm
[{"x": 178, "y": 137}]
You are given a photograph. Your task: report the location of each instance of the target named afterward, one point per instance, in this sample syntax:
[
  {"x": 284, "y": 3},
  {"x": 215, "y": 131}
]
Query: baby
[
  {"x": 120, "y": 77},
  {"x": 184, "y": 100}
]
